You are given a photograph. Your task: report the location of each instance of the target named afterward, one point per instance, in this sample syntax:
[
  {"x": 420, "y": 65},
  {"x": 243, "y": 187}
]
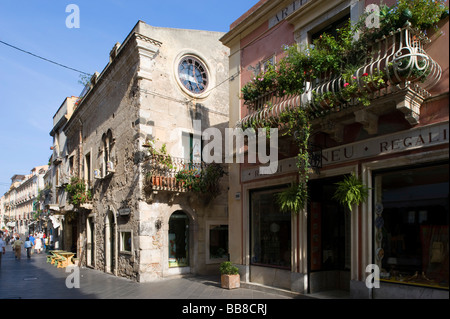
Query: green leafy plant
[
  {"x": 327, "y": 99},
  {"x": 77, "y": 193},
  {"x": 341, "y": 54},
  {"x": 374, "y": 81},
  {"x": 227, "y": 268},
  {"x": 161, "y": 154},
  {"x": 202, "y": 180},
  {"x": 291, "y": 200},
  {"x": 297, "y": 124},
  {"x": 415, "y": 70},
  {"x": 353, "y": 89},
  {"x": 351, "y": 191}
]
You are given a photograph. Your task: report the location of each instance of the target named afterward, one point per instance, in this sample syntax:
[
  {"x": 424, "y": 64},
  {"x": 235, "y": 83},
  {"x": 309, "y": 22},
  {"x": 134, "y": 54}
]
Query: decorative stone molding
[{"x": 368, "y": 120}]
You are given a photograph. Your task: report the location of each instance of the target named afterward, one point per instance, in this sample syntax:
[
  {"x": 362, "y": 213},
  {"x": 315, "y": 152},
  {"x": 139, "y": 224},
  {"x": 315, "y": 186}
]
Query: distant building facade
[{"x": 20, "y": 203}]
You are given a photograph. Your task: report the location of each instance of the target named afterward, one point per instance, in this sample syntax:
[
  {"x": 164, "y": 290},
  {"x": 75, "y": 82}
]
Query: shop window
[
  {"x": 125, "y": 241},
  {"x": 411, "y": 225},
  {"x": 217, "y": 241},
  {"x": 270, "y": 231},
  {"x": 178, "y": 240}
]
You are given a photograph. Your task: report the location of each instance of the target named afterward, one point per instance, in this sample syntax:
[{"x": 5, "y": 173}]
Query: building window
[
  {"x": 331, "y": 28},
  {"x": 270, "y": 231},
  {"x": 411, "y": 225},
  {"x": 217, "y": 242},
  {"x": 125, "y": 241},
  {"x": 267, "y": 62},
  {"x": 107, "y": 163},
  {"x": 87, "y": 168}
]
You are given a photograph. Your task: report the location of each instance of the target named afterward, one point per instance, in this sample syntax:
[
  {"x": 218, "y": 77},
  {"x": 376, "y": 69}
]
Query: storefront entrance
[
  {"x": 329, "y": 238},
  {"x": 178, "y": 240}
]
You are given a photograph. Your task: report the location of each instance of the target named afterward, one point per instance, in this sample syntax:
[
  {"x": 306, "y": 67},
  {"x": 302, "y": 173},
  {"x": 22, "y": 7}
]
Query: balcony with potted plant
[
  {"x": 336, "y": 77},
  {"x": 178, "y": 175}
]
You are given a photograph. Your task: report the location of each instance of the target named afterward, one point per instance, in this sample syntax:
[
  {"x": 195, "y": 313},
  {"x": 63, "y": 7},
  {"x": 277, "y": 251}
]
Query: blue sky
[{"x": 31, "y": 90}]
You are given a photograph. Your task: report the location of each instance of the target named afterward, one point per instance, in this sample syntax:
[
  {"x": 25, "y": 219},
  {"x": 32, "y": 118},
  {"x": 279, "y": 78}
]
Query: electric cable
[{"x": 37, "y": 56}]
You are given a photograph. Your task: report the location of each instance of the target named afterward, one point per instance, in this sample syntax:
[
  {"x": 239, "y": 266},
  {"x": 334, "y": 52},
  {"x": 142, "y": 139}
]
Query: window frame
[
  {"x": 209, "y": 223},
  {"x": 121, "y": 246}
]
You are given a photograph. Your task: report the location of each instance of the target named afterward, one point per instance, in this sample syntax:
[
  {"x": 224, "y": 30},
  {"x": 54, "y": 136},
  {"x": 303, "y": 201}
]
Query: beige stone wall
[{"x": 137, "y": 97}]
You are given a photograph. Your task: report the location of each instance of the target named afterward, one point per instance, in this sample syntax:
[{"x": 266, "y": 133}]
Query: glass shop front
[{"x": 411, "y": 218}]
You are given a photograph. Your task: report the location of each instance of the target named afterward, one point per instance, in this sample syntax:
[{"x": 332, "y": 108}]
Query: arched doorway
[
  {"x": 179, "y": 240},
  {"x": 110, "y": 240}
]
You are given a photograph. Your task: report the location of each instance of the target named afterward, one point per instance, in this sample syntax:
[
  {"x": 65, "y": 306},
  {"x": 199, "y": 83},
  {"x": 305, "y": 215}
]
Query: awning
[{"x": 56, "y": 221}]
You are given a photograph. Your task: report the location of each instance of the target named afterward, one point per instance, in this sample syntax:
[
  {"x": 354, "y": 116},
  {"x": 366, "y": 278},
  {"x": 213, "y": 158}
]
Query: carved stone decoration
[{"x": 368, "y": 120}]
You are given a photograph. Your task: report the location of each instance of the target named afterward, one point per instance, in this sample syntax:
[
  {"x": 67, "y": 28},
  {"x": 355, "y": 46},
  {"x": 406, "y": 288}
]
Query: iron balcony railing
[
  {"x": 161, "y": 172},
  {"x": 400, "y": 59}
]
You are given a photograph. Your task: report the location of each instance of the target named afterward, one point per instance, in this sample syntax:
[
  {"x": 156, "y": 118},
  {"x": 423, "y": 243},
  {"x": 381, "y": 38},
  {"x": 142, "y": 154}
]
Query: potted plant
[
  {"x": 77, "y": 192},
  {"x": 229, "y": 278},
  {"x": 351, "y": 191},
  {"x": 291, "y": 199},
  {"x": 326, "y": 100},
  {"x": 375, "y": 81}
]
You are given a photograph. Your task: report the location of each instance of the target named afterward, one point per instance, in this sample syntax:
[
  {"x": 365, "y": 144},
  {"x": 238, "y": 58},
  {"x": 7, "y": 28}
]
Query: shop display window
[
  {"x": 411, "y": 225},
  {"x": 218, "y": 242},
  {"x": 270, "y": 231}
]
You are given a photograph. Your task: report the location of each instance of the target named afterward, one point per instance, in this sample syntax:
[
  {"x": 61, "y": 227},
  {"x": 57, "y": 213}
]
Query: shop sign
[
  {"x": 388, "y": 144},
  {"x": 286, "y": 11},
  {"x": 288, "y": 165},
  {"x": 124, "y": 211},
  {"x": 381, "y": 145}
]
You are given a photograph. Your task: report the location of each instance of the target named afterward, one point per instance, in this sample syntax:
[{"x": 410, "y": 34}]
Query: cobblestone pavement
[{"x": 34, "y": 278}]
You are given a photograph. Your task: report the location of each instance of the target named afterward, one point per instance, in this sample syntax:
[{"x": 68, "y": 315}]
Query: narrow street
[{"x": 34, "y": 278}]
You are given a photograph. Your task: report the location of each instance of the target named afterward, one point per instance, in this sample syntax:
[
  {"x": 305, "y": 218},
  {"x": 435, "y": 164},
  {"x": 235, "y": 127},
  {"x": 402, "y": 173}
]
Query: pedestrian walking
[
  {"x": 28, "y": 246},
  {"x": 44, "y": 239},
  {"x": 17, "y": 247},
  {"x": 32, "y": 239},
  {"x": 2, "y": 248},
  {"x": 38, "y": 245}
]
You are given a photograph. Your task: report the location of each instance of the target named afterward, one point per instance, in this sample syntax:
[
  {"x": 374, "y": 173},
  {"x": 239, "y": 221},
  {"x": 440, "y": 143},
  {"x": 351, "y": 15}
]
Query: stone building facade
[
  {"x": 20, "y": 204},
  {"x": 130, "y": 135}
]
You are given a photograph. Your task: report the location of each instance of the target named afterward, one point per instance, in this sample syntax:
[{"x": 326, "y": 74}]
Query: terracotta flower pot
[{"x": 230, "y": 281}]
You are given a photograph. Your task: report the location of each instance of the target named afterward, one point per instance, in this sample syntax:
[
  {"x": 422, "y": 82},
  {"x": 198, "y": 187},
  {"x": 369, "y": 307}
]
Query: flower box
[{"x": 230, "y": 281}]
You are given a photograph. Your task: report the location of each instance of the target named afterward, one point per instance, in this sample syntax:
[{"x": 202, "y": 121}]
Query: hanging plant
[
  {"x": 291, "y": 199},
  {"x": 351, "y": 191},
  {"x": 297, "y": 123}
]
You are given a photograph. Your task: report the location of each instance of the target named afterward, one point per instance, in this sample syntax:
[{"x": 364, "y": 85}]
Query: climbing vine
[{"x": 296, "y": 122}]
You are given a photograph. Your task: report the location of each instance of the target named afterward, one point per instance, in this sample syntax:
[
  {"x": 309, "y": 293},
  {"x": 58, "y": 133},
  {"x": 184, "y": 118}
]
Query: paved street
[{"x": 34, "y": 278}]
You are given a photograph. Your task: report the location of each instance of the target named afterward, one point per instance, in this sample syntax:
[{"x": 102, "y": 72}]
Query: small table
[
  {"x": 55, "y": 255},
  {"x": 68, "y": 256}
]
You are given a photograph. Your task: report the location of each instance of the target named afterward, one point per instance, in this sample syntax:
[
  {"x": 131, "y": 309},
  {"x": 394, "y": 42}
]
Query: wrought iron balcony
[
  {"x": 162, "y": 170},
  {"x": 405, "y": 73}
]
